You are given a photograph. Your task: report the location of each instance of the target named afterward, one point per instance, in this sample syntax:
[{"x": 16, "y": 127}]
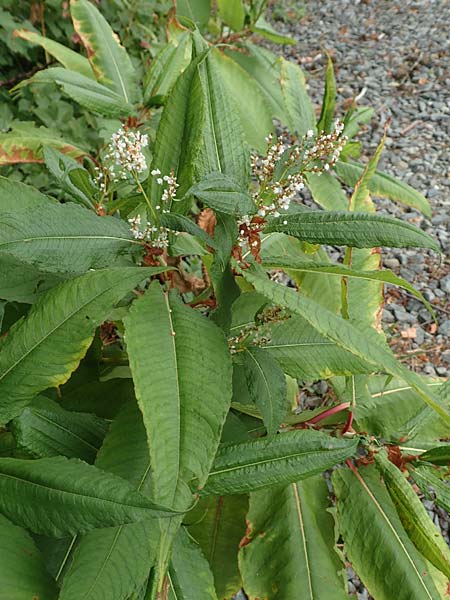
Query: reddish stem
[
  {"x": 328, "y": 413},
  {"x": 348, "y": 424}
]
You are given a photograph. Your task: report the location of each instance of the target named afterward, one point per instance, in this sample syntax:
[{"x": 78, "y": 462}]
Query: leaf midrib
[
  {"x": 106, "y": 37},
  {"x": 391, "y": 527},
  {"x": 276, "y": 459},
  {"x": 115, "y": 540}
]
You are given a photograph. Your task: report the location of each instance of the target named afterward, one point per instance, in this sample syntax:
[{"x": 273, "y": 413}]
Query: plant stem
[{"x": 147, "y": 199}]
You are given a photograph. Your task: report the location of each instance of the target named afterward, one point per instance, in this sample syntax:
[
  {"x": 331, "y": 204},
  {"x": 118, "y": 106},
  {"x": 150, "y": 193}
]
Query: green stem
[{"x": 147, "y": 199}]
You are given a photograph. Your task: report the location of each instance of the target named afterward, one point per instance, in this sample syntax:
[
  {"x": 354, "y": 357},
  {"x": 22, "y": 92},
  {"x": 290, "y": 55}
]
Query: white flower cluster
[
  {"x": 125, "y": 153},
  {"x": 325, "y": 149},
  {"x": 281, "y": 176},
  {"x": 170, "y": 192},
  {"x": 158, "y": 237}
]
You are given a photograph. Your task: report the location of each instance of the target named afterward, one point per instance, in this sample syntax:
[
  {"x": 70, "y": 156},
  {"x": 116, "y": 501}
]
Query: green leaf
[
  {"x": 365, "y": 344},
  {"x": 42, "y": 350},
  {"x": 244, "y": 311},
  {"x": 304, "y": 353},
  {"x": 59, "y": 496},
  {"x": 189, "y": 573},
  {"x": 23, "y": 575},
  {"x": 26, "y": 147},
  {"x": 425, "y": 478},
  {"x": 68, "y": 58},
  {"x": 45, "y": 429},
  {"x": 232, "y": 12},
  {"x": 110, "y": 564},
  {"x": 182, "y": 375},
  {"x": 90, "y": 94},
  {"x": 266, "y": 385},
  {"x": 359, "y": 230},
  {"x": 182, "y": 223},
  {"x": 221, "y": 193},
  {"x": 290, "y": 550},
  {"x": 360, "y": 199},
  {"x": 275, "y": 460},
  {"x": 22, "y": 282},
  {"x": 66, "y": 238},
  {"x": 109, "y": 59},
  {"x": 167, "y": 66},
  {"x": 418, "y": 525},
  {"x": 218, "y": 525},
  {"x": 262, "y": 27},
  {"x": 327, "y": 191},
  {"x": 375, "y": 541},
  {"x": 394, "y": 411},
  {"x": 178, "y": 138},
  {"x": 299, "y": 108},
  {"x": 222, "y": 149},
  {"x": 384, "y": 186},
  {"x": 72, "y": 177},
  {"x": 437, "y": 456},
  {"x": 196, "y": 10},
  {"x": 264, "y": 67},
  {"x": 14, "y": 194},
  {"x": 248, "y": 98},
  {"x": 385, "y": 276},
  {"x": 325, "y": 121},
  {"x": 355, "y": 117}
]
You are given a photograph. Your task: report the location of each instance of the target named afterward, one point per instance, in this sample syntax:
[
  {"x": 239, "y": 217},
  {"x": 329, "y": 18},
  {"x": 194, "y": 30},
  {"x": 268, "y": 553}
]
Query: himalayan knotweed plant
[{"x": 196, "y": 395}]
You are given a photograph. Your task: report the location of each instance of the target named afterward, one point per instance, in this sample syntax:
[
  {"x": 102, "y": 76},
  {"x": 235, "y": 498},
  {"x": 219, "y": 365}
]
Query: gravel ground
[{"x": 394, "y": 56}]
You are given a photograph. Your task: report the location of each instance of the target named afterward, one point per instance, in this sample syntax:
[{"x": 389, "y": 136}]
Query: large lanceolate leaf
[
  {"x": 222, "y": 149},
  {"x": 437, "y": 456},
  {"x": 385, "y": 276},
  {"x": 45, "y": 429},
  {"x": 223, "y": 194},
  {"x": 189, "y": 573},
  {"x": 413, "y": 515},
  {"x": 392, "y": 410},
  {"x": 23, "y": 575},
  {"x": 365, "y": 344},
  {"x": 425, "y": 478},
  {"x": 327, "y": 191},
  {"x": 14, "y": 194},
  {"x": 26, "y": 147},
  {"x": 43, "y": 350},
  {"x": 182, "y": 374},
  {"x": 264, "y": 67},
  {"x": 275, "y": 460},
  {"x": 266, "y": 385},
  {"x": 59, "y": 496},
  {"x": 304, "y": 353},
  {"x": 232, "y": 12},
  {"x": 109, "y": 60},
  {"x": 195, "y": 10},
  {"x": 167, "y": 66},
  {"x": 218, "y": 524},
  {"x": 84, "y": 90},
  {"x": 375, "y": 541},
  {"x": 359, "y": 230},
  {"x": 325, "y": 121},
  {"x": 66, "y": 238},
  {"x": 110, "y": 564},
  {"x": 384, "y": 186},
  {"x": 67, "y": 57},
  {"x": 290, "y": 550},
  {"x": 299, "y": 108},
  {"x": 178, "y": 138},
  {"x": 21, "y": 282},
  {"x": 249, "y": 99}
]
